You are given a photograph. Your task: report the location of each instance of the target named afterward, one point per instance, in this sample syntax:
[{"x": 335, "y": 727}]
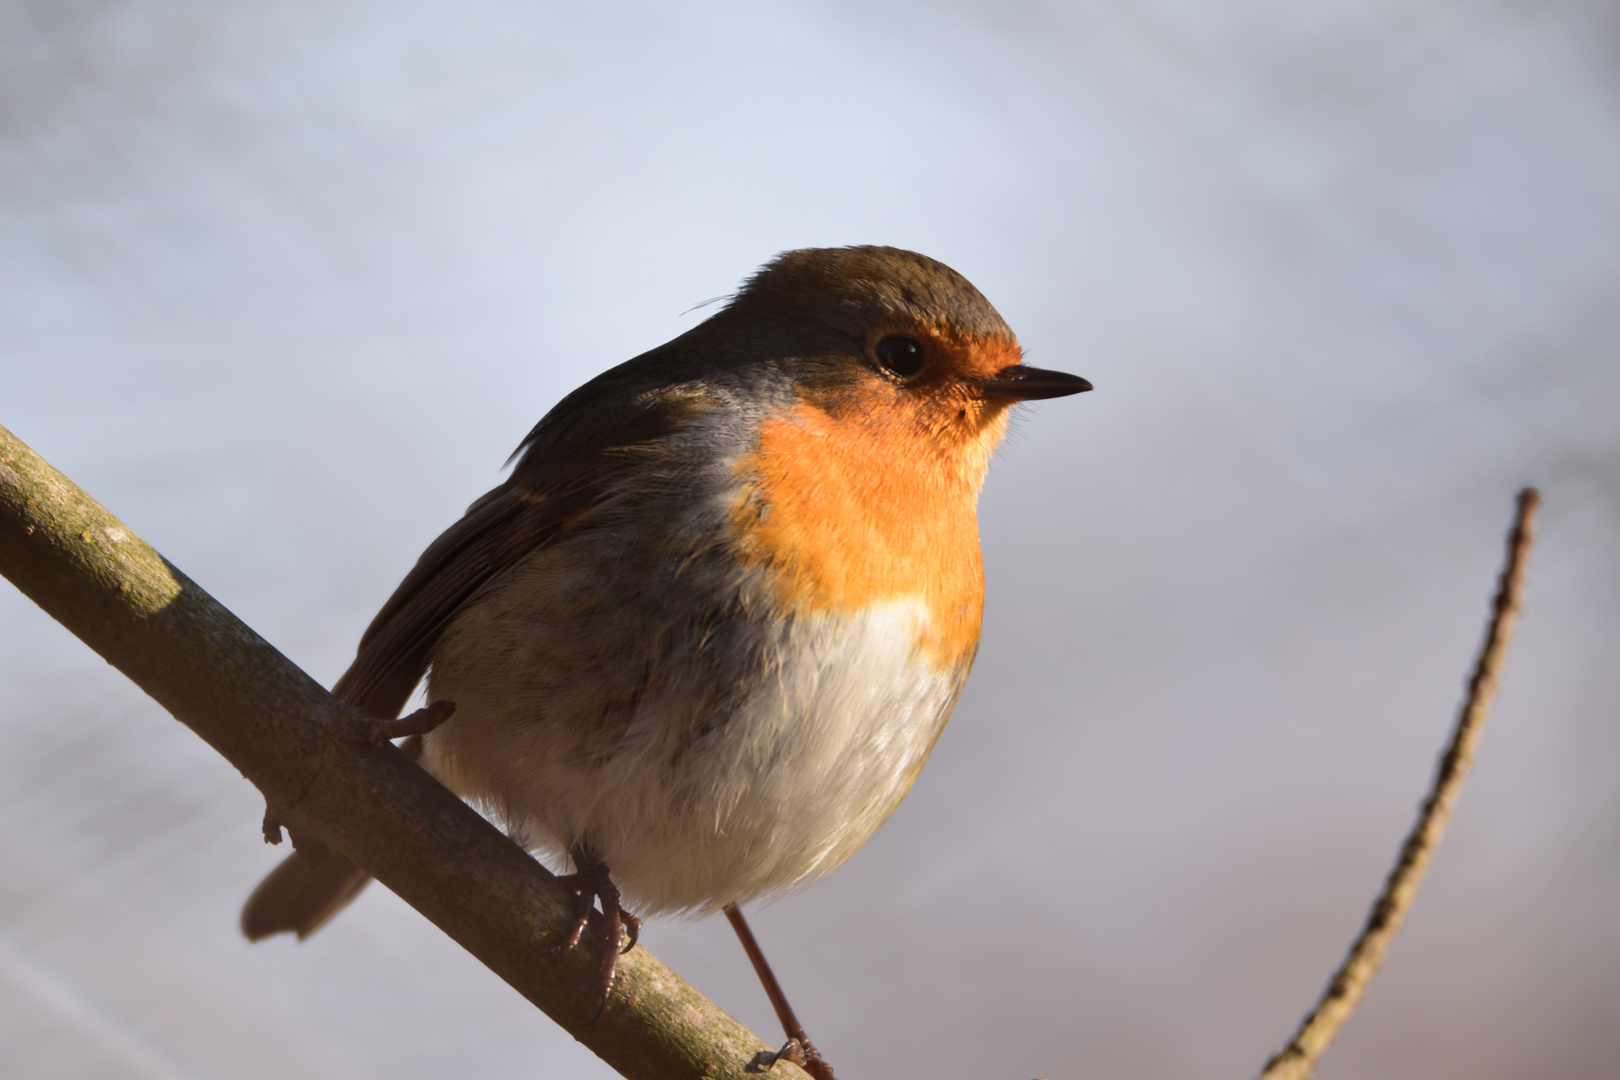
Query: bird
[{"x": 703, "y": 638}]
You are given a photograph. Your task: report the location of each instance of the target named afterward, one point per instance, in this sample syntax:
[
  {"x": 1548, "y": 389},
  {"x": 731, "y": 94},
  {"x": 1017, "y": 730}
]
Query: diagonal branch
[
  {"x": 1297, "y": 1060},
  {"x": 274, "y": 723}
]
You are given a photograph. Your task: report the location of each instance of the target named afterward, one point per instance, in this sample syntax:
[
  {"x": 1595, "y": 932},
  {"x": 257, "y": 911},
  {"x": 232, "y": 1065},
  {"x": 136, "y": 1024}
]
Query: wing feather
[{"x": 561, "y": 476}]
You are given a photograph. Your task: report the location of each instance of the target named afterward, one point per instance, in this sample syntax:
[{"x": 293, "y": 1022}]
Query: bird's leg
[
  {"x": 591, "y": 880},
  {"x": 798, "y": 1048}
]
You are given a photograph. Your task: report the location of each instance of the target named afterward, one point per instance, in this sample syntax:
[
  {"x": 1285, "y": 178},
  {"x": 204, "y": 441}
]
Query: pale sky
[{"x": 283, "y": 288}]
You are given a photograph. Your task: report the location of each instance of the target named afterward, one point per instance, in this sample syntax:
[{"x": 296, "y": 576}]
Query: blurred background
[{"x": 282, "y": 285}]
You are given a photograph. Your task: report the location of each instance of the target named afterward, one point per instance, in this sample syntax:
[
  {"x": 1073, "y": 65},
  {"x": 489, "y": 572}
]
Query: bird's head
[{"x": 895, "y": 343}]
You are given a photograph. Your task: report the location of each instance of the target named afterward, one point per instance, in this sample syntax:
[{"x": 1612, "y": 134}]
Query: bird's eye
[{"x": 900, "y": 355}]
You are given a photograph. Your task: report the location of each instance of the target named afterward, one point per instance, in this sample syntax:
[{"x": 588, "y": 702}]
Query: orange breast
[{"x": 847, "y": 514}]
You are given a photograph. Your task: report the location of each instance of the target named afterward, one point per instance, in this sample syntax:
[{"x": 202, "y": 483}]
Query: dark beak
[{"x": 1028, "y": 383}]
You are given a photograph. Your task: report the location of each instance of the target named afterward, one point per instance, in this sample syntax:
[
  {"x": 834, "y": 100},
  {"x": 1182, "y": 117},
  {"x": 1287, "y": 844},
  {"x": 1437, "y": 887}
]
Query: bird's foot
[
  {"x": 592, "y": 882},
  {"x": 801, "y": 1053},
  {"x": 376, "y": 732}
]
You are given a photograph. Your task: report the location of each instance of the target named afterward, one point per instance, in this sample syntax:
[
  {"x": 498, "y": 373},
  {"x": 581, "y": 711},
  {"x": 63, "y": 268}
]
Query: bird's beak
[{"x": 1022, "y": 383}]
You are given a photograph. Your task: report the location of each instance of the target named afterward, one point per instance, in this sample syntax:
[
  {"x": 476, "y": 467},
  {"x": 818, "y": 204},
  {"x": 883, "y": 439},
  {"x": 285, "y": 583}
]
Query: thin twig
[{"x": 1297, "y": 1060}]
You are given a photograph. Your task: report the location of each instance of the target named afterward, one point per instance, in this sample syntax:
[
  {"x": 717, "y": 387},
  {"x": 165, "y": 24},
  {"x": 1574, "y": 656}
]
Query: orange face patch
[{"x": 866, "y": 492}]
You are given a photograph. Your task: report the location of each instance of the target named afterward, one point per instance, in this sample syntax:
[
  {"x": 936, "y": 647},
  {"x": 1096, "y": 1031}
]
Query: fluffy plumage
[{"x": 712, "y": 625}]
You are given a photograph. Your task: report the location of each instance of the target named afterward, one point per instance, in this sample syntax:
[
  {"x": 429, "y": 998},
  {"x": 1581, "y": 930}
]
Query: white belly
[{"x": 695, "y": 794}]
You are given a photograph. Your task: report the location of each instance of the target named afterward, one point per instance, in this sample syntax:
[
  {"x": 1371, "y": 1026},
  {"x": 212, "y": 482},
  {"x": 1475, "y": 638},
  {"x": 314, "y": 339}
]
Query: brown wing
[
  {"x": 496, "y": 532},
  {"x": 570, "y": 465}
]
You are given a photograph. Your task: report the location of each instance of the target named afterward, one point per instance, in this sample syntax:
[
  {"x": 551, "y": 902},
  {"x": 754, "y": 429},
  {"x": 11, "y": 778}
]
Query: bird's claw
[
  {"x": 806, "y": 1057},
  {"x": 622, "y": 929},
  {"x": 376, "y": 732}
]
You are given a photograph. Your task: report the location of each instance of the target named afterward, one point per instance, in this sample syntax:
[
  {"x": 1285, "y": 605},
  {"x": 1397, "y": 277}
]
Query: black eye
[{"x": 901, "y": 355}]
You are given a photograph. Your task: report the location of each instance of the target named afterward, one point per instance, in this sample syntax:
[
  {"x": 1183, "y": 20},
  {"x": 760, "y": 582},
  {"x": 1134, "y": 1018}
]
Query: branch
[
  {"x": 280, "y": 728},
  {"x": 1297, "y": 1060}
]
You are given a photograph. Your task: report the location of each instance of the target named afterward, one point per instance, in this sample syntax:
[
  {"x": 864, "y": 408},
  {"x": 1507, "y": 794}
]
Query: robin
[{"x": 705, "y": 636}]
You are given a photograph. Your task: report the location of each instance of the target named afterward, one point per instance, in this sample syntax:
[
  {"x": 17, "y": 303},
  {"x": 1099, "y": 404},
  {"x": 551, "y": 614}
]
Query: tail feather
[{"x": 298, "y": 897}]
